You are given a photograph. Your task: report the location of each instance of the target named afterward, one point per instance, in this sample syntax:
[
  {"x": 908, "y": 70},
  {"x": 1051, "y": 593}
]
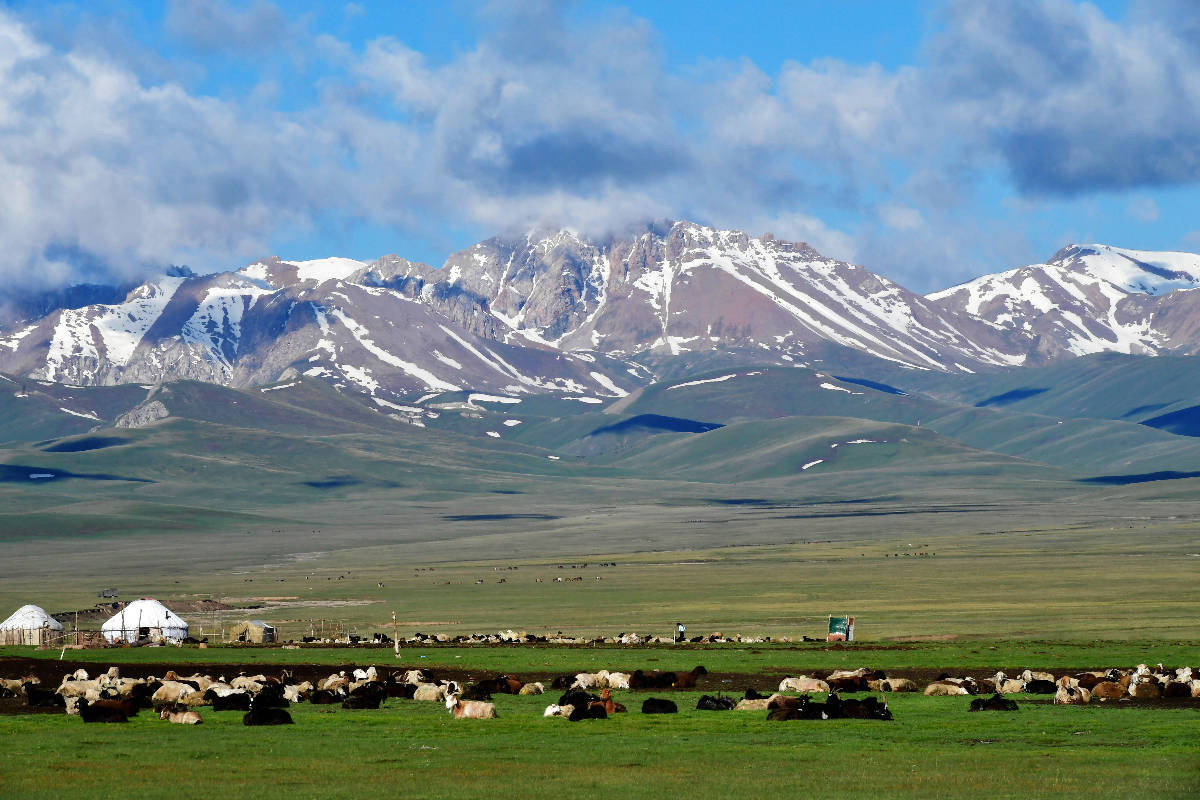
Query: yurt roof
[
  {"x": 28, "y": 617},
  {"x": 145, "y": 613}
]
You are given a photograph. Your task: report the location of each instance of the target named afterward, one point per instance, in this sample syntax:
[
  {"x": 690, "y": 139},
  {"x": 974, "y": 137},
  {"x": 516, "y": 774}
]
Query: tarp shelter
[
  {"x": 841, "y": 629},
  {"x": 144, "y": 619},
  {"x": 254, "y": 630},
  {"x": 29, "y": 625}
]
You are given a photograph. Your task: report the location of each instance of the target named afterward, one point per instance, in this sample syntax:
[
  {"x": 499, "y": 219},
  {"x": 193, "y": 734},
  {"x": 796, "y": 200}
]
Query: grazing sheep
[
  {"x": 249, "y": 683},
  {"x": 618, "y": 680},
  {"x": 555, "y": 710},
  {"x": 171, "y": 692},
  {"x": 945, "y": 689},
  {"x": 1108, "y": 690},
  {"x": 470, "y": 709},
  {"x": 994, "y": 703},
  {"x": 654, "y": 705},
  {"x": 413, "y": 676},
  {"x": 709, "y": 703},
  {"x": 36, "y": 697},
  {"x": 324, "y": 697},
  {"x": 590, "y": 711},
  {"x": 1007, "y": 685},
  {"x": 532, "y": 688},
  {"x": 266, "y": 715},
  {"x": 103, "y": 711},
  {"x": 430, "y": 692},
  {"x": 803, "y": 684},
  {"x": 180, "y": 717},
  {"x": 362, "y": 701},
  {"x": 755, "y": 704},
  {"x": 1071, "y": 696},
  {"x": 234, "y": 701}
]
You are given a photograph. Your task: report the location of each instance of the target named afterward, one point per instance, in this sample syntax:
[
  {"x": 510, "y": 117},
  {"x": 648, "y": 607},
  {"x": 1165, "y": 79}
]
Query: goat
[{"x": 470, "y": 709}]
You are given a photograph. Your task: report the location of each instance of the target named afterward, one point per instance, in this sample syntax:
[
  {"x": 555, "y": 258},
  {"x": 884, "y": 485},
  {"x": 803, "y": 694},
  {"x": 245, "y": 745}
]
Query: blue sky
[{"x": 931, "y": 140}]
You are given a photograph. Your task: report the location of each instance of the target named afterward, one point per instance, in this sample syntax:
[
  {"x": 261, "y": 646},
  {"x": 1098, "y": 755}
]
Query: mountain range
[{"x": 554, "y": 312}]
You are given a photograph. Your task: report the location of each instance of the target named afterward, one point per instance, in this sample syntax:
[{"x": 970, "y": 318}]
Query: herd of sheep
[{"x": 264, "y": 700}]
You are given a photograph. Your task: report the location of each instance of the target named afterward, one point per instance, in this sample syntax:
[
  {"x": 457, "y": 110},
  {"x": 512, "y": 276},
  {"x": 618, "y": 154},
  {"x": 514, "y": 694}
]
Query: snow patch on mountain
[
  {"x": 361, "y": 335},
  {"x": 706, "y": 380},
  {"x": 326, "y": 269}
]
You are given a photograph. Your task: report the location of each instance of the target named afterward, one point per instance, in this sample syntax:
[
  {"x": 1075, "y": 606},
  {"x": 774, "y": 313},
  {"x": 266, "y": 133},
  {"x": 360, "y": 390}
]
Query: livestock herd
[{"x": 264, "y": 700}]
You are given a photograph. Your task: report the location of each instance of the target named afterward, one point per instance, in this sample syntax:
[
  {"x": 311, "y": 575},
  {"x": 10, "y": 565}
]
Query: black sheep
[
  {"x": 479, "y": 691},
  {"x": 577, "y": 698},
  {"x": 103, "y": 711},
  {"x": 37, "y": 697},
  {"x": 588, "y": 712},
  {"x": 362, "y": 701},
  {"x": 867, "y": 708},
  {"x": 994, "y": 703},
  {"x": 266, "y": 715},
  {"x": 654, "y": 705},
  {"x": 234, "y": 701},
  {"x": 709, "y": 703},
  {"x": 324, "y": 697}
]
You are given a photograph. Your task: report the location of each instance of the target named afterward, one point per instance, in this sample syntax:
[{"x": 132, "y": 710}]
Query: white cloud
[{"x": 582, "y": 123}]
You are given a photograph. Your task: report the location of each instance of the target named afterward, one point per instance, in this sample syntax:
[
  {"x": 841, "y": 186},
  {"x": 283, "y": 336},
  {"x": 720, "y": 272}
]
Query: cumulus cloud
[
  {"x": 1069, "y": 99},
  {"x": 548, "y": 118},
  {"x": 107, "y": 178}
]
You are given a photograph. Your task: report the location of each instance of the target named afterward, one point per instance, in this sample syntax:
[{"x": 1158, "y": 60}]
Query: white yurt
[
  {"x": 29, "y": 625},
  {"x": 145, "y": 618}
]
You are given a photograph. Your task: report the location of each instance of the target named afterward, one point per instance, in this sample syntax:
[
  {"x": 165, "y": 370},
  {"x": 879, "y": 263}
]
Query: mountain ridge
[{"x": 556, "y": 312}]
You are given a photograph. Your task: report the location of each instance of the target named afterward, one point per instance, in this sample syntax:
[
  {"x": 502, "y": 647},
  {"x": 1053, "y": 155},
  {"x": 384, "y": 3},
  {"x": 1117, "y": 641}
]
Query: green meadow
[{"x": 933, "y": 748}]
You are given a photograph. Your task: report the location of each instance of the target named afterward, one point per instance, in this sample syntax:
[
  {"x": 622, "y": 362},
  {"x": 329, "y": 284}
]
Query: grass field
[
  {"x": 970, "y": 542},
  {"x": 933, "y": 748}
]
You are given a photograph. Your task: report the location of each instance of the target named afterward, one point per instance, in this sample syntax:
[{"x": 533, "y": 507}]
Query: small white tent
[
  {"x": 28, "y": 625},
  {"x": 144, "y": 618}
]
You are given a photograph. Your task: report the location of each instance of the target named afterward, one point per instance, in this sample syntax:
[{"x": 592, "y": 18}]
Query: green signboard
[{"x": 841, "y": 629}]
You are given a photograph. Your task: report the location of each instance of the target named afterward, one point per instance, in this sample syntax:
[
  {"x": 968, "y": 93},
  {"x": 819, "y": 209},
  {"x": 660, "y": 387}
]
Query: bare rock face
[{"x": 142, "y": 415}]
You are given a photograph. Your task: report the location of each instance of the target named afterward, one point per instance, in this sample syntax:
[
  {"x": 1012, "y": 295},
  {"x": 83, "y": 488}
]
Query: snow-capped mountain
[
  {"x": 324, "y": 318},
  {"x": 691, "y": 288},
  {"x": 1089, "y": 299},
  {"x": 556, "y": 312}
]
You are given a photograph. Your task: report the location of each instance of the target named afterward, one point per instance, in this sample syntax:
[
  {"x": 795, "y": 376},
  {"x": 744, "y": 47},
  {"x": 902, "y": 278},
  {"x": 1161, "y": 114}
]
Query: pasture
[{"x": 933, "y": 748}]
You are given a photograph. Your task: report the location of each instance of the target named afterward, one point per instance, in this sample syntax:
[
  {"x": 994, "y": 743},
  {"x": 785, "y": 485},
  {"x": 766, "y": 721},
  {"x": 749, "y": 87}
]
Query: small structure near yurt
[
  {"x": 30, "y": 624},
  {"x": 254, "y": 630},
  {"x": 145, "y": 619}
]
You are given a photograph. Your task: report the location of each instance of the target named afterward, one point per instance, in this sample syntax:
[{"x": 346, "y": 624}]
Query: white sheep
[{"x": 803, "y": 684}]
